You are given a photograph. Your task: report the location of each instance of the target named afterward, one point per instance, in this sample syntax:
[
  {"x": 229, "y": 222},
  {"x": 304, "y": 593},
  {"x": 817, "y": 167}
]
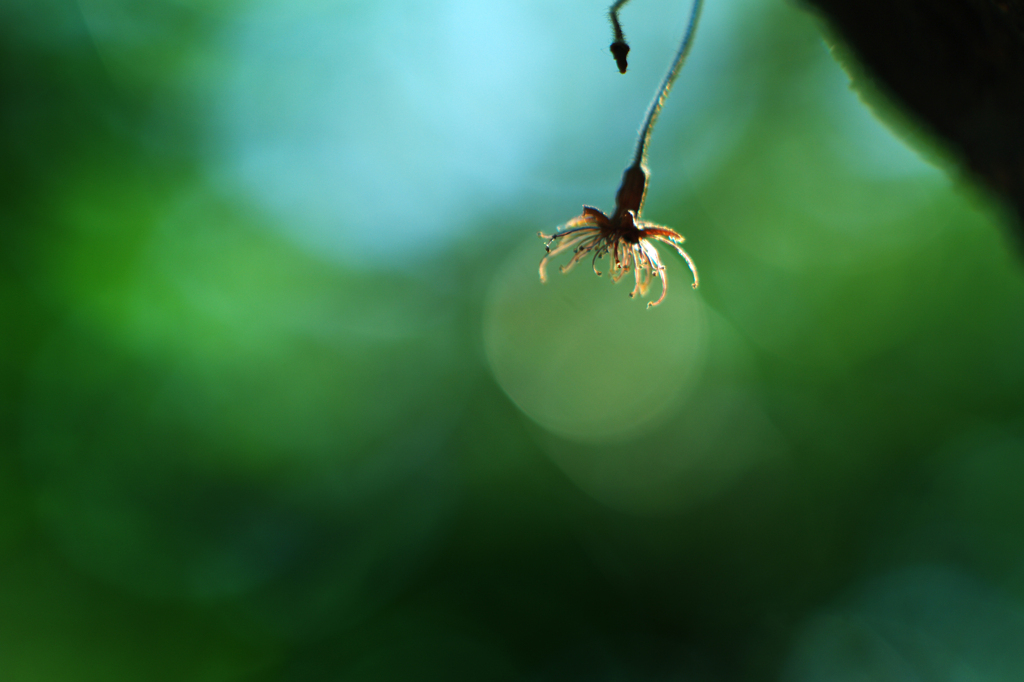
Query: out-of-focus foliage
[{"x": 249, "y": 432}]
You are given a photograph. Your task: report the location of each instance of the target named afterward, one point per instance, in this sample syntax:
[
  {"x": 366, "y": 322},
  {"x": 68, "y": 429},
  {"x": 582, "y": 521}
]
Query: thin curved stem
[
  {"x": 613, "y": 13},
  {"x": 640, "y": 157},
  {"x": 619, "y": 47}
]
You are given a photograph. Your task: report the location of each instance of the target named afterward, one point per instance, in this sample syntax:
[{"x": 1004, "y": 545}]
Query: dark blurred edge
[{"x": 957, "y": 66}]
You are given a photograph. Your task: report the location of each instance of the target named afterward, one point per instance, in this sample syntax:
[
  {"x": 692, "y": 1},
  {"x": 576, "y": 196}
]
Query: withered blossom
[
  {"x": 628, "y": 240},
  {"x": 624, "y": 237}
]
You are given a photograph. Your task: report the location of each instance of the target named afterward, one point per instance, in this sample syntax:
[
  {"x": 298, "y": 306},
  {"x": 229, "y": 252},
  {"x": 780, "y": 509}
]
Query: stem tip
[{"x": 619, "y": 50}]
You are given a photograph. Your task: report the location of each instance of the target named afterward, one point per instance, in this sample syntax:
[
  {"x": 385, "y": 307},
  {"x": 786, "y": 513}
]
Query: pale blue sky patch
[{"x": 375, "y": 131}]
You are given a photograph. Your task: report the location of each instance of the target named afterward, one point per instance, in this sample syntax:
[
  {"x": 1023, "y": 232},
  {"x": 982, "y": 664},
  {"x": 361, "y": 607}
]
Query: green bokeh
[{"x": 226, "y": 455}]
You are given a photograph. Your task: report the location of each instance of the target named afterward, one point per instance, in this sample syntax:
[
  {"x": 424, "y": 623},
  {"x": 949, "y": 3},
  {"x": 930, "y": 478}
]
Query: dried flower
[{"x": 628, "y": 239}]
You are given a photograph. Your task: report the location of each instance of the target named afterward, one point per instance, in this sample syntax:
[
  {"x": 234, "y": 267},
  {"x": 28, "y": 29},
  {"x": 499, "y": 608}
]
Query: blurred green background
[{"x": 282, "y": 398}]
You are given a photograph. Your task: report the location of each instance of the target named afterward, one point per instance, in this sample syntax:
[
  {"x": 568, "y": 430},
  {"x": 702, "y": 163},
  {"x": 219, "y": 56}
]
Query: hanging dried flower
[
  {"x": 628, "y": 241},
  {"x": 624, "y": 237}
]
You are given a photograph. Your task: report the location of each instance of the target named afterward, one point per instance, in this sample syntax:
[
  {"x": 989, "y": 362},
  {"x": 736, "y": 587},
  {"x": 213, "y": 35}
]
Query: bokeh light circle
[{"x": 583, "y": 359}]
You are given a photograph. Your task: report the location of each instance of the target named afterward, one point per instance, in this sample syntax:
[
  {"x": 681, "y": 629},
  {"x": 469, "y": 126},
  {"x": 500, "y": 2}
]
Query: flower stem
[
  {"x": 619, "y": 46},
  {"x": 640, "y": 157}
]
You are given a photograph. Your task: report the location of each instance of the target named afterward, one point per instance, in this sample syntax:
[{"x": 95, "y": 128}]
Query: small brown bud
[{"x": 619, "y": 50}]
